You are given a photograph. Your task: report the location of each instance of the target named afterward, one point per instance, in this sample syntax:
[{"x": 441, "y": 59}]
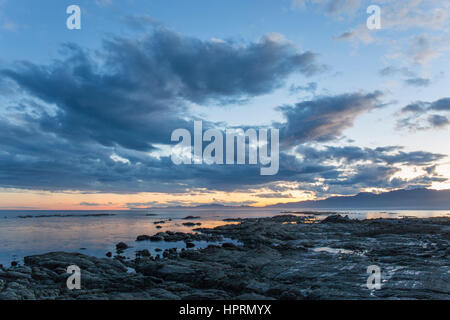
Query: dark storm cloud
[
  {"x": 324, "y": 118},
  {"x": 133, "y": 92},
  {"x": 89, "y": 120},
  {"x": 33, "y": 159}
]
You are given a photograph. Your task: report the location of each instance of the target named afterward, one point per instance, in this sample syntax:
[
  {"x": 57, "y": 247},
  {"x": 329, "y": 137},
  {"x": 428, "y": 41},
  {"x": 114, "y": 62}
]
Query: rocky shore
[{"x": 284, "y": 257}]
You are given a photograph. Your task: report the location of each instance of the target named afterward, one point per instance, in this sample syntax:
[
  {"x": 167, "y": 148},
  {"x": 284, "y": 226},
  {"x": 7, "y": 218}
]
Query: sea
[{"x": 94, "y": 232}]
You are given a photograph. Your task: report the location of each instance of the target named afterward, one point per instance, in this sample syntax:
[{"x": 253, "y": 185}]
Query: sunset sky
[{"x": 86, "y": 115}]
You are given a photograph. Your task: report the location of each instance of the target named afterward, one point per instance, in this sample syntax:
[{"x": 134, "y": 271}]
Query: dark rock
[
  {"x": 109, "y": 254},
  {"x": 143, "y": 253},
  {"x": 14, "y": 263},
  {"x": 189, "y": 224},
  {"x": 190, "y": 245},
  {"x": 191, "y": 217},
  {"x": 228, "y": 245},
  {"x": 143, "y": 238},
  {"x": 337, "y": 219},
  {"x": 122, "y": 246},
  {"x": 284, "y": 257}
]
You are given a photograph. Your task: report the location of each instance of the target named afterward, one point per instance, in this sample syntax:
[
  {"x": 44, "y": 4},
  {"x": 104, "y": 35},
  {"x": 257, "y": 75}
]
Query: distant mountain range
[{"x": 418, "y": 199}]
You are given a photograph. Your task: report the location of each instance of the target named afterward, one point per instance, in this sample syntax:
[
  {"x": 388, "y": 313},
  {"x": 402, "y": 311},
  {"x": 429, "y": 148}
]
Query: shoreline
[{"x": 281, "y": 257}]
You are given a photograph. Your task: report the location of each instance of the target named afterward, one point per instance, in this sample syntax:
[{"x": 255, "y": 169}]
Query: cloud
[
  {"x": 332, "y": 7},
  {"x": 441, "y": 105},
  {"x": 418, "y": 115},
  {"x": 438, "y": 121},
  {"x": 91, "y": 121},
  {"x": 344, "y": 36},
  {"x": 274, "y": 195},
  {"x": 135, "y": 92},
  {"x": 393, "y": 70},
  {"x": 310, "y": 87},
  {"x": 324, "y": 118},
  {"x": 418, "y": 82},
  {"x": 411, "y": 77},
  {"x": 391, "y": 155},
  {"x": 140, "y": 22},
  {"x": 104, "y": 3},
  {"x": 421, "y": 50},
  {"x": 89, "y": 204}
]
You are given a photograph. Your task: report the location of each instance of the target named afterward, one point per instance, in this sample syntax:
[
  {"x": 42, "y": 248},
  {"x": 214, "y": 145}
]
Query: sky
[{"x": 87, "y": 114}]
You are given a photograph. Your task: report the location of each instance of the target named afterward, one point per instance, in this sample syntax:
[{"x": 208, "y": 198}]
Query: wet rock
[
  {"x": 109, "y": 254},
  {"x": 228, "y": 245},
  {"x": 190, "y": 245},
  {"x": 337, "y": 219},
  {"x": 143, "y": 238},
  {"x": 122, "y": 246},
  {"x": 191, "y": 217},
  {"x": 143, "y": 253},
  {"x": 284, "y": 257}
]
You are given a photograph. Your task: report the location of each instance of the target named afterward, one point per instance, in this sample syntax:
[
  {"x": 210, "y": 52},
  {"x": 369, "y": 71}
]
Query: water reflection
[{"x": 97, "y": 235}]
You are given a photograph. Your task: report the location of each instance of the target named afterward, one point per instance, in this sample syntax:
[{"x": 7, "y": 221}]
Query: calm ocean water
[{"x": 96, "y": 235}]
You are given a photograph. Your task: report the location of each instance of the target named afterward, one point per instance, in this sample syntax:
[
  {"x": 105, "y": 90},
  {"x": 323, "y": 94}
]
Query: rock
[
  {"x": 158, "y": 227},
  {"x": 337, "y": 219},
  {"x": 228, "y": 245},
  {"x": 190, "y": 245},
  {"x": 109, "y": 254},
  {"x": 283, "y": 257},
  {"x": 143, "y": 253},
  {"x": 14, "y": 263},
  {"x": 14, "y": 275},
  {"x": 156, "y": 238},
  {"x": 189, "y": 224},
  {"x": 191, "y": 217},
  {"x": 122, "y": 246},
  {"x": 252, "y": 296},
  {"x": 143, "y": 238}
]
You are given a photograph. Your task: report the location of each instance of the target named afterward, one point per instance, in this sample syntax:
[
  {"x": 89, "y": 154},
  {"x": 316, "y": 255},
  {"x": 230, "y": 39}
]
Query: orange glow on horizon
[{"x": 14, "y": 199}]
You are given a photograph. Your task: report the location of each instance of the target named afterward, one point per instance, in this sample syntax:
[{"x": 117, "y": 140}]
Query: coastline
[{"x": 281, "y": 257}]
